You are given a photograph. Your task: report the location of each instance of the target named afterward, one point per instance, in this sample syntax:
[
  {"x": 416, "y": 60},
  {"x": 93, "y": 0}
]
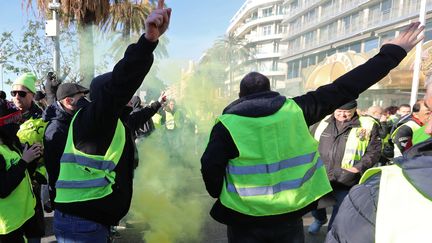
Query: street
[{"x": 212, "y": 232}]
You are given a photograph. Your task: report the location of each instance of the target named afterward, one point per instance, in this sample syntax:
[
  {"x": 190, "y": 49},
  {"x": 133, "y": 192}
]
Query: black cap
[
  {"x": 348, "y": 106},
  {"x": 69, "y": 90}
]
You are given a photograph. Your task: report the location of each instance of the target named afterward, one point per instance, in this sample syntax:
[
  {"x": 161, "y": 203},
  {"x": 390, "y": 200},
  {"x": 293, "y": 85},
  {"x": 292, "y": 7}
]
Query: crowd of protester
[{"x": 317, "y": 147}]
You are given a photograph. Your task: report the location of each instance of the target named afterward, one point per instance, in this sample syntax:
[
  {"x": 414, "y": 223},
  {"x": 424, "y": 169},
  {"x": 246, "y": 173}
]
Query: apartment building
[
  {"x": 258, "y": 24},
  {"x": 317, "y": 29}
]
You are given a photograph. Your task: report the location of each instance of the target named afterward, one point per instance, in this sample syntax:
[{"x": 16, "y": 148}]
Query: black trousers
[
  {"x": 16, "y": 236},
  {"x": 287, "y": 232}
]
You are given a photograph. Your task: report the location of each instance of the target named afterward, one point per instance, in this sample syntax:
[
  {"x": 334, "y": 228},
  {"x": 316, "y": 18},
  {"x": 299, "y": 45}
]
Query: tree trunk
[{"x": 85, "y": 35}]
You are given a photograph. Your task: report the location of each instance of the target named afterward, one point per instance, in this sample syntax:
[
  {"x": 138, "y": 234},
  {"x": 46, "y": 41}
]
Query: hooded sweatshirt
[{"x": 315, "y": 106}]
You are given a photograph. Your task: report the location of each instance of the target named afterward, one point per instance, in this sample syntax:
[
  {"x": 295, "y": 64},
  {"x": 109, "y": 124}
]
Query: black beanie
[{"x": 348, "y": 106}]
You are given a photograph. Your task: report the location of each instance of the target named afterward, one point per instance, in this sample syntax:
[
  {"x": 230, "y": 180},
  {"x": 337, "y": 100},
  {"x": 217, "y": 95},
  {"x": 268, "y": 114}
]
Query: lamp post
[
  {"x": 417, "y": 62},
  {"x": 52, "y": 30}
]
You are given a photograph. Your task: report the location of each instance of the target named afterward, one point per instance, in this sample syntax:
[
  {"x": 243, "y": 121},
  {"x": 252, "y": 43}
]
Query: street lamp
[{"x": 52, "y": 29}]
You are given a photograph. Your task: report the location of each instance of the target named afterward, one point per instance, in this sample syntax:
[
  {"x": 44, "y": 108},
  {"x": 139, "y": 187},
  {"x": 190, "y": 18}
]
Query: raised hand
[
  {"x": 157, "y": 22},
  {"x": 409, "y": 37},
  {"x": 162, "y": 98}
]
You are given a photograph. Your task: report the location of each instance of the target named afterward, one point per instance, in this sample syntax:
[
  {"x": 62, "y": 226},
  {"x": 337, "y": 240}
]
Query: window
[
  {"x": 387, "y": 36},
  {"x": 276, "y": 47},
  {"x": 355, "y": 21},
  {"x": 326, "y": 8},
  {"x": 293, "y": 5},
  {"x": 374, "y": 13},
  {"x": 342, "y": 49},
  {"x": 266, "y": 30},
  {"x": 309, "y": 38},
  {"x": 308, "y": 61},
  {"x": 267, "y": 12},
  {"x": 282, "y": 29},
  {"x": 281, "y": 10},
  {"x": 355, "y": 47},
  {"x": 370, "y": 44},
  {"x": 294, "y": 44},
  {"x": 346, "y": 23},
  {"x": 321, "y": 56},
  {"x": 254, "y": 15},
  {"x": 275, "y": 65},
  {"x": 310, "y": 16},
  {"x": 386, "y": 6},
  {"x": 293, "y": 69},
  {"x": 324, "y": 33}
]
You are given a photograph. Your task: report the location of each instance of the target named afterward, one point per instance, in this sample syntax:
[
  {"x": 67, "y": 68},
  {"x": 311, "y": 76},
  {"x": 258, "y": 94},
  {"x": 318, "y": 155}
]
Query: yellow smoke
[
  {"x": 169, "y": 194},
  {"x": 166, "y": 190}
]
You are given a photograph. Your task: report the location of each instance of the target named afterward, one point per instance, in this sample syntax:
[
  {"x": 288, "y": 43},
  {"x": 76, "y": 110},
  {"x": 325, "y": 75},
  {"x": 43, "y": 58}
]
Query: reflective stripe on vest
[
  {"x": 19, "y": 205},
  {"x": 403, "y": 212},
  {"x": 84, "y": 176},
  {"x": 357, "y": 142},
  {"x": 274, "y": 173},
  {"x": 420, "y": 135}
]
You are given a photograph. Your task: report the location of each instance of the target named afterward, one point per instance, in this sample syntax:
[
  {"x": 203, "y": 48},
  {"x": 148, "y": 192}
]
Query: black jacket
[
  {"x": 355, "y": 221},
  {"x": 95, "y": 125},
  {"x": 332, "y": 149},
  {"x": 140, "y": 121},
  {"x": 315, "y": 106},
  {"x": 55, "y": 140}
]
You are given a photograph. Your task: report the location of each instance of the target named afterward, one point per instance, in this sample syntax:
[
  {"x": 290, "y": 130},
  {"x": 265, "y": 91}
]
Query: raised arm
[{"x": 317, "y": 104}]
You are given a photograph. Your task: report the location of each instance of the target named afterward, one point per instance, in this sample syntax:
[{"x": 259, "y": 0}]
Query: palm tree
[
  {"x": 85, "y": 14},
  {"x": 233, "y": 51},
  {"x": 128, "y": 18}
]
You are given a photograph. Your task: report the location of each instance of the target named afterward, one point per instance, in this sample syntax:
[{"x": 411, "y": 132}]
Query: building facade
[
  {"x": 258, "y": 25},
  {"x": 317, "y": 29},
  {"x": 287, "y": 39}
]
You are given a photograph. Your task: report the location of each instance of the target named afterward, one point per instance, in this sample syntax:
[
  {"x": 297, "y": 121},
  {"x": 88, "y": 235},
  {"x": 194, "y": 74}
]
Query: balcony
[
  {"x": 246, "y": 7},
  {"x": 267, "y": 55},
  {"x": 303, "y": 6},
  {"x": 374, "y": 21},
  {"x": 334, "y": 13},
  {"x": 256, "y": 21},
  {"x": 251, "y": 39}
]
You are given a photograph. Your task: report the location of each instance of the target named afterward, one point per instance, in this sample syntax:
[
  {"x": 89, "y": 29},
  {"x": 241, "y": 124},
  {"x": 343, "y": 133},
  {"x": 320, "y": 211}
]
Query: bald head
[{"x": 375, "y": 112}]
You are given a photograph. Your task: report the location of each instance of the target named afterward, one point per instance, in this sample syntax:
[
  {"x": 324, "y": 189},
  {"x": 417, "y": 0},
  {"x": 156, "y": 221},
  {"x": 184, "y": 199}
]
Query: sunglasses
[{"x": 19, "y": 92}]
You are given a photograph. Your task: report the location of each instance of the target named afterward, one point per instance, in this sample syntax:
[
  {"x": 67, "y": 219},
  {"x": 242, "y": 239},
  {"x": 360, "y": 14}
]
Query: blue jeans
[
  {"x": 73, "y": 229},
  {"x": 285, "y": 232},
  {"x": 321, "y": 214}
]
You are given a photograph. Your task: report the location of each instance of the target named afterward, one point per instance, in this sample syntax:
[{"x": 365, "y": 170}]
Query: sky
[{"x": 195, "y": 25}]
